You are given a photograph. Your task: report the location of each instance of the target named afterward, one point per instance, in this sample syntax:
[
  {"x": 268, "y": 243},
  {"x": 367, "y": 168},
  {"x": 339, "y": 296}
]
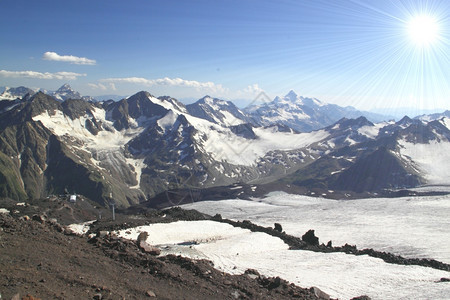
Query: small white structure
[{"x": 73, "y": 198}]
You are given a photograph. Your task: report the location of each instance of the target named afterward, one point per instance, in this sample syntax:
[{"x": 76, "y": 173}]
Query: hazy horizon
[{"x": 381, "y": 55}]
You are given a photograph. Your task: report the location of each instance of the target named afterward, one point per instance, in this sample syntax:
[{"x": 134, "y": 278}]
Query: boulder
[
  {"x": 278, "y": 227},
  {"x": 142, "y": 236},
  {"x": 319, "y": 293},
  {"x": 98, "y": 296},
  {"x": 147, "y": 248},
  {"x": 150, "y": 293},
  {"x": 39, "y": 218},
  {"x": 310, "y": 238}
]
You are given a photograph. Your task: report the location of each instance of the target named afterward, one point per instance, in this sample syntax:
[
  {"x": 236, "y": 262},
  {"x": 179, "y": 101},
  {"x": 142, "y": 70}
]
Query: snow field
[
  {"x": 234, "y": 250},
  {"x": 415, "y": 227}
]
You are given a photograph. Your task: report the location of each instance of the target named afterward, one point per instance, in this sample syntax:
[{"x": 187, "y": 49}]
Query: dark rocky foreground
[{"x": 42, "y": 258}]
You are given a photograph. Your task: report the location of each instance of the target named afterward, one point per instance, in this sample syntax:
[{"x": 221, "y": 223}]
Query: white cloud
[
  {"x": 102, "y": 87},
  {"x": 97, "y": 86},
  {"x": 39, "y": 75},
  {"x": 68, "y": 58},
  {"x": 211, "y": 86},
  {"x": 250, "y": 91}
]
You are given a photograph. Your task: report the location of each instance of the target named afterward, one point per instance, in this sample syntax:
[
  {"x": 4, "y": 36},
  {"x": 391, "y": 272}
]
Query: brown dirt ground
[{"x": 37, "y": 259}]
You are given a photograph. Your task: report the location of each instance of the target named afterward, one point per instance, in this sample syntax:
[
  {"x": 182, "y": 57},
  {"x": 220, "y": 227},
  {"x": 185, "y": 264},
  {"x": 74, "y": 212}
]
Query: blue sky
[{"x": 348, "y": 52}]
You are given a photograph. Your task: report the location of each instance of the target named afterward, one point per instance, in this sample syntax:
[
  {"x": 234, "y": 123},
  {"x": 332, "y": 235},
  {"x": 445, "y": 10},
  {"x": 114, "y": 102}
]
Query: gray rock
[
  {"x": 98, "y": 296},
  {"x": 142, "y": 236},
  {"x": 320, "y": 294},
  {"x": 147, "y": 248}
]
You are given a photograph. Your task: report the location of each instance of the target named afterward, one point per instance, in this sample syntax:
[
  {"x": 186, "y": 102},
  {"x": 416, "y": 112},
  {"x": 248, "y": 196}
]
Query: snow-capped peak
[
  {"x": 15, "y": 93},
  {"x": 213, "y": 102},
  {"x": 65, "y": 87},
  {"x": 65, "y": 92},
  {"x": 292, "y": 96}
]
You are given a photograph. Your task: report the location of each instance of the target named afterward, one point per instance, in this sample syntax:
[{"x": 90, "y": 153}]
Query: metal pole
[{"x": 112, "y": 203}]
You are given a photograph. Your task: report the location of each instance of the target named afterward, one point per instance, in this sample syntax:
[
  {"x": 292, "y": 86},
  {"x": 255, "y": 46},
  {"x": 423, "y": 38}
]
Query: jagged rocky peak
[
  {"x": 177, "y": 104},
  {"x": 138, "y": 107},
  {"x": 65, "y": 88},
  {"x": 140, "y": 104},
  {"x": 435, "y": 116},
  {"x": 294, "y": 99},
  {"x": 66, "y": 92},
  {"x": 41, "y": 102},
  {"x": 292, "y": 96},
  {"x": 216, "y": 103},
  {"x": 405, "y": 121},
  {"x": 211, "y": 100},
  {"x": 354, "y": 123},
  {"x": 422, "y": 133},
  {"x": 76, "y": 108},
  {"x": 217, "y": 111},
  {"x": 16, "y": 93}
]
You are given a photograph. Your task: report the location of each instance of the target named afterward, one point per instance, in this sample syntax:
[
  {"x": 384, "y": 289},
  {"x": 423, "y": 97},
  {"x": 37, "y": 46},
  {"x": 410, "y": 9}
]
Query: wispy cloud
[
  {"x": 102, "y": 87},
  {"x": 168, "y": 82},
  {"x": 39, "y": 75},
  {"x": 249, "y": 92},
  {"x": 68, "y": 58}
]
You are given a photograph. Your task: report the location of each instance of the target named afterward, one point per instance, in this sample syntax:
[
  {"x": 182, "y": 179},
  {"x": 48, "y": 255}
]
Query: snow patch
[
  {"x": 138, "y": 165},
  {"x": 230, "y": 120},
  {"x": 371, "y": 131},
  {"x": 226, "y": 146},
  {"x": 234, "y": 250},
  {"x": 431, "y": 159},
  {"x": 446, "y": 122},
  {"x": 81, "y": 228},
  {"x": 61, "y": 125},
  {"x": 167, "y": 121}
]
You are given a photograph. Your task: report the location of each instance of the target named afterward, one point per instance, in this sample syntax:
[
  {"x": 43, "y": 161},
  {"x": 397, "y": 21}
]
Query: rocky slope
[
  {"x": 134, "y": 149},
  {"x": 100, "y": 265},
  {"x": 106, "y": 267}
]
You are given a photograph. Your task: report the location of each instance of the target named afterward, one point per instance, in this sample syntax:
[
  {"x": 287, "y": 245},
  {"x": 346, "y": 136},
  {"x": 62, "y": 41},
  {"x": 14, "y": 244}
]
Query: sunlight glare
[{"x": 423, "y": 30}]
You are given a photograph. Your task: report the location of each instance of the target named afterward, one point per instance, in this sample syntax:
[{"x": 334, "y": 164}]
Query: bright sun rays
[
  {"x": 386, "y": 55},
  {"x": 423, "y": 30},
  {"x": 404, "y": 56}
]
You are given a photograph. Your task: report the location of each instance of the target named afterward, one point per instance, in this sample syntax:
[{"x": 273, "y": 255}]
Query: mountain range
[
  {"x": 65, "y": 92},
  {"x": 128, "y": 151}
]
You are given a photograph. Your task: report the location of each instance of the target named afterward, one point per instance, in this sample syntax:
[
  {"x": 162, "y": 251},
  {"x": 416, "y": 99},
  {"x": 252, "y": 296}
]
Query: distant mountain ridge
[
  {"x": 16, "y": 93},
  {"x": 65, "y": 92},
  {"x": 304, "y": 114},
  {"x": 142, "y": 145},
  {"x": 434, "y": 116}
]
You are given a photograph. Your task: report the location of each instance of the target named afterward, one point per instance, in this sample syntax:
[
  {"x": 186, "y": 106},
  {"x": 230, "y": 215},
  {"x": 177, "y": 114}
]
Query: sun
[{"x": 423, "y": 30}]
